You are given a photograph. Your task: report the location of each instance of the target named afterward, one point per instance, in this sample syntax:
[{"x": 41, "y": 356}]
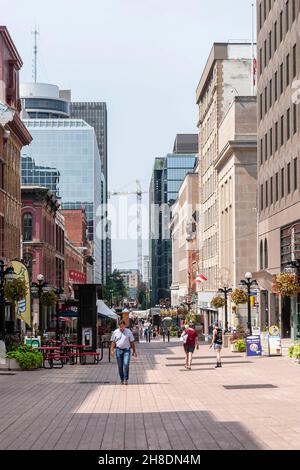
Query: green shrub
[
  {"x": 291, "y": 351},
  {"x": 296, "y": 351},
  {"x": 26, "y": 357},
  {"x": 240, "y": 345}
]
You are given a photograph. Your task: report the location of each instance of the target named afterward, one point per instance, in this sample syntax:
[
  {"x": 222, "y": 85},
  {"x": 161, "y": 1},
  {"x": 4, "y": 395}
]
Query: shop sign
[
  {"x": 275, "y": 348},
  {"x": 253, "y": 346},
  {"x": 35, "y": 343}
]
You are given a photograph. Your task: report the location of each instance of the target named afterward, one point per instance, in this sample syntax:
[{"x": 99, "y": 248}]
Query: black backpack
[{"x": 219, "y": 337}]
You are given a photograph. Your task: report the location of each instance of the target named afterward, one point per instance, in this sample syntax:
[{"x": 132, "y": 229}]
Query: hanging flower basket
[
  {"x": 286, "y": 285},
  {"x": 15, "y": 290},
  {"x": 238, "y": 297},
  {"x": 218, "y": 302},
  {"x": 48, "y": 299}
]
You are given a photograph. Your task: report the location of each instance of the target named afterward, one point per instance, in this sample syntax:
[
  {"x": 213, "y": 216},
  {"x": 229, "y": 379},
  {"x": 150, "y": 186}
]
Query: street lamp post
[
  {"x": 111, "y": 297},
  {"x": 41, "y": 283},
  {"x": 249, "y": 282},
  {"x": 58, "y": 292},
  {"x": 5, "y": 275},
  {"x": 37, "y": 289},
  {"x": 225, "y": 291}
]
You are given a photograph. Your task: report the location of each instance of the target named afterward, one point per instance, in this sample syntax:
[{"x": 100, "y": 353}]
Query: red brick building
[
  {"x": 76, "y": 233},
  {"x": 39, "y": 230},
  {"x": 74, "y": 268},
  {"x": 13, "y": 136}
]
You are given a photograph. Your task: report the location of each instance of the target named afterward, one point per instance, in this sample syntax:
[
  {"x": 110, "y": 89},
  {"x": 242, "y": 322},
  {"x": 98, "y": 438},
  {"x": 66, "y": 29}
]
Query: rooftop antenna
[{"x": 35, "y": 51}]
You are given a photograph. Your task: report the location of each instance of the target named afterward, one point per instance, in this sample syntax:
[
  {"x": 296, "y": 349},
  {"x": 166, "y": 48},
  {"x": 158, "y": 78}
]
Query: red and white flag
[{"x": 201, "y": 278}]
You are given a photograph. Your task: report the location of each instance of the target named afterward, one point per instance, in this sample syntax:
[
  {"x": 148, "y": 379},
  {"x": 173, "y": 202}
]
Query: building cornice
[
  {"x": 20, "y": 130},
  {"x": 10, "y": 44},
  {"x": 229, "y": 149}
]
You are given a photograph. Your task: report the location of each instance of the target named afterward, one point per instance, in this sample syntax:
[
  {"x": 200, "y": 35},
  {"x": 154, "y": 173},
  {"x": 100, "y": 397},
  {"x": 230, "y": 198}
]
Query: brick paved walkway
[{"x": 164, "y": 407}]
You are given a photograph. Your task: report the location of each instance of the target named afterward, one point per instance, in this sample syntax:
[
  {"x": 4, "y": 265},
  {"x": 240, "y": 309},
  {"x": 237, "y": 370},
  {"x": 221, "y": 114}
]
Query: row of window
[
  {"x": 286, "y": 17},
  {"x": 210, "y": 216},
  {"x": 279, "y": 134},
  {"x": 280, "y": 185},
  {"x": 48, "y": 234},
  {"x": 278, "y": 83},
  {"x": 210, "y": 247}
]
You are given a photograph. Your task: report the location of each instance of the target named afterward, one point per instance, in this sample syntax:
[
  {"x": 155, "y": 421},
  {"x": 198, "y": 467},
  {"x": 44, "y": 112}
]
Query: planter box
[
  {"x": 233, "y": 349},
  {"x": 12, "y": 364}
]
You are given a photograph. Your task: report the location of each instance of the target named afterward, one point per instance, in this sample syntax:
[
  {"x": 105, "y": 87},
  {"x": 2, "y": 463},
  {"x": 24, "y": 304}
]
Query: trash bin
[{"x": 226, "y": 340}]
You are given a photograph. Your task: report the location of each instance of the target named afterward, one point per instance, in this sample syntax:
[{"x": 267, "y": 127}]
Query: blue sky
[{"x": 143, "y": 57}]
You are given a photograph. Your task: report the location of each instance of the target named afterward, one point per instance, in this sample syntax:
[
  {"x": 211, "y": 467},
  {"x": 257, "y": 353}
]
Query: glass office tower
[
  {"x": 95, "y": 114},
  {"x": 168, "y": 175},
  {"x": 70, "y": 146},
  {"x": 40, "y": 175}
]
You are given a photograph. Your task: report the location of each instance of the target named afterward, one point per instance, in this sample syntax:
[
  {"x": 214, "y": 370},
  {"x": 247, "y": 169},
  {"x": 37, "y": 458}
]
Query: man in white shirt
[{"x": 122, "y": 341}]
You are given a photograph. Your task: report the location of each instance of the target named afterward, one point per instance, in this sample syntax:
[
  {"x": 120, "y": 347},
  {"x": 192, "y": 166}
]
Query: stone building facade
[
  {"x": 236, "y": 168},
  {"x": 278, "y": 46},
  {"x": 227, "y": 73}
]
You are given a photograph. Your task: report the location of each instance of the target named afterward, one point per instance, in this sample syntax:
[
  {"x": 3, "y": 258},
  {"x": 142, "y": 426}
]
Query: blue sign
[{"x": 253, "y": 346}]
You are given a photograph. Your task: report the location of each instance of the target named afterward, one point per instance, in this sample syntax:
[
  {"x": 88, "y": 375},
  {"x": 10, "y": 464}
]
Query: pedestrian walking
[
  {"x": 146, "y": 334},
  {"x": 149, "y": 333},
  {"x": 168, "y": 334},
  {"x": 164, "y": 335},
  {"x": 122, "y": 341},
  {"x": 191, "y": 341},
  {"x": 217, "y": 343}
]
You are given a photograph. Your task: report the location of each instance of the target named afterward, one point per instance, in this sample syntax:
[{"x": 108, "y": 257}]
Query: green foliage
[
  {"x": 26, "y": 357},
  {"x": 142, "y": 296},
  {"x": 48, "y": 299},
  {"x": 15, "y": 290},
  {"x": 294, "y": 351},
  {"x": 115, "y": 284},
  {"x": 240, "y": 345},
  {"x": 173, "y": 331},
  {"x": 291, "y": 351}
]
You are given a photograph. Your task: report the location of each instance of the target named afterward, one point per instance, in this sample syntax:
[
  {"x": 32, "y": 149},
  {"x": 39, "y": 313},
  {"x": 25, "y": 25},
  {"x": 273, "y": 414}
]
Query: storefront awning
[
  {"x": 105, "y": 311},
  {"x": 68, "y": 314}
]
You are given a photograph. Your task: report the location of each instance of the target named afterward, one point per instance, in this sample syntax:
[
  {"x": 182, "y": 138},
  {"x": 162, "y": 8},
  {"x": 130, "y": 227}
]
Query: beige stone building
[
  {"x": 184, "y": 247},
  {"x": 278, "y": 46},
  {"x": 227, "y": 73},
  {"x": 236, "y": 167}
]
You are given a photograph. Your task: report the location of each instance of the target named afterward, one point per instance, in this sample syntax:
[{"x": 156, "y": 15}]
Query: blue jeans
[{"x": 123, "y": 359}]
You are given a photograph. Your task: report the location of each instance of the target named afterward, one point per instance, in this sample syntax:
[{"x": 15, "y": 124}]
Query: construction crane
[{"x": 139, "y": 194}]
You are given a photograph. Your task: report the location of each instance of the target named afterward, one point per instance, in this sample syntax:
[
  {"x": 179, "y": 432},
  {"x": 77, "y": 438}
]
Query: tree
[
  {"x": 114, "y": 286},
  {"x": 142, "y": 296}
]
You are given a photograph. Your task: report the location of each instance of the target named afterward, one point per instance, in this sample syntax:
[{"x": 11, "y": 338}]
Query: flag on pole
[{"x": 201, "y": 278}]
